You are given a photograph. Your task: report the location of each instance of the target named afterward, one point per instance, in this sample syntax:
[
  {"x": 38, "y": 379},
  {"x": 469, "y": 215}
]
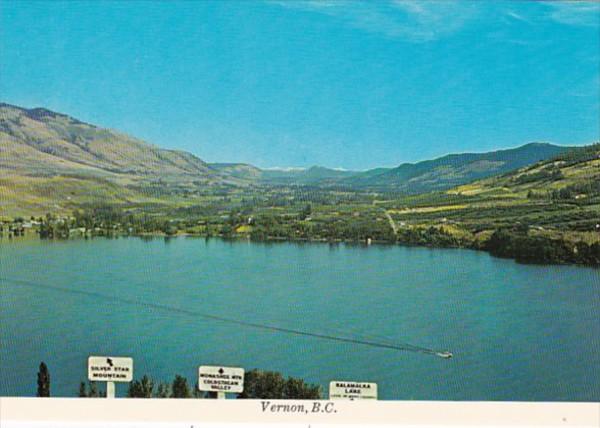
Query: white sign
[
  {"x": 341, "y": 390},
  {"x": 220, "y": 379},
  {"x": 110, "y": 369}
]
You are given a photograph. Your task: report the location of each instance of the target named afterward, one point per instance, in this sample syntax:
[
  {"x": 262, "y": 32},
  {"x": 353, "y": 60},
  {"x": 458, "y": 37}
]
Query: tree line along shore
[{"x": 526, "y": 233}]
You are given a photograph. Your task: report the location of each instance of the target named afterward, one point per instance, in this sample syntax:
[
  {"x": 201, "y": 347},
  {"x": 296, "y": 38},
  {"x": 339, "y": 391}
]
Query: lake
[{"x": 517, "y": 332}]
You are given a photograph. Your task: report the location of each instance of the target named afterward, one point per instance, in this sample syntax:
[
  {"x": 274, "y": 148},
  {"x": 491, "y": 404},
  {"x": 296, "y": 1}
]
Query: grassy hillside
[
  {"x": 63, "y": 144},
  {"x": 561, "y": 192},
  {"x": 551, "y": 203},
  {"x": 453, "y": 170},
  {"x": 50, "y": 161}
]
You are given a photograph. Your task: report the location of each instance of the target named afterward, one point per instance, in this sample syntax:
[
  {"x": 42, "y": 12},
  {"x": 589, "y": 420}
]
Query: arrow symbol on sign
[
  {"x": 221, "y": 371},
  {"x": 109, "y": 362}
]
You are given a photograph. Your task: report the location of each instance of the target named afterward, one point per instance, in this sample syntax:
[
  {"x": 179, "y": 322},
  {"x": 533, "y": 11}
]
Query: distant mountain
[
  {"x": 315, "y": 175},
  {"x": 572, "y": 174},
  {"x": 411, "y": 178},
  {"x": 49, "y": 143},
  {"x": 452, "y": 170},
  {"x": 242, "y": 171}
]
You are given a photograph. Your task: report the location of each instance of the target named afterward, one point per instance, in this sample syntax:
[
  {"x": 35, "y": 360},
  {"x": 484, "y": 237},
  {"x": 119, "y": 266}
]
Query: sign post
[
  {"x": 221, "y": 380},
  {"x": 342, "y": 390},
  {"x": 110, "y": 390},
  {"x": 110, "y": 370}
]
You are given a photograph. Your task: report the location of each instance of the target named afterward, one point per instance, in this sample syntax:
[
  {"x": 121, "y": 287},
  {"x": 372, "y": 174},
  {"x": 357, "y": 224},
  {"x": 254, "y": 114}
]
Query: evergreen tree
[
  {"x": 163, "y": 390},
  {"x": 197, "y": 393},
  {"x": 93, "y": 390},
  {"x": 143, "y": 388},
  {"x": 180, "y": 388},
  {"x": 43, "y": 381}
]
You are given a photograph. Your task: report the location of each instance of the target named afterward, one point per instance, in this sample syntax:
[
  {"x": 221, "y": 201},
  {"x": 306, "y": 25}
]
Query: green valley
[{"x": 60, "y": 177}]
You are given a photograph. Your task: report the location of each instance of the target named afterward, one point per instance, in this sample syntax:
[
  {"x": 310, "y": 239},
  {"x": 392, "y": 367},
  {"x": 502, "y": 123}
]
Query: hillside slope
[
  {"x": 48, "y": 142},
  {"x": 547, "y": 212},
  {"x": 421, "y": 177},
  {"x": 452, "y": 170},
  {"x": 242, "y": 171},
  {"x": 49, "y": 160}
]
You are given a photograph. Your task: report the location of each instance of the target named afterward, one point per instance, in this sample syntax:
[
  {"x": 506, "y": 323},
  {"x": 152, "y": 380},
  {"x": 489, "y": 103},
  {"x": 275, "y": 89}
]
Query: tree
[
  {"x": 306, "y": 212},
  {"x": 264, "y": 385},
  {"x": 93, "y": 390},
  {"x": 43, "y": 381},
  {"x": 90, "y": 391},
  {"x": 197, "y": 393},
  {"x": 180, "y": 388},
  {"x": 169, "y": 229},
  {"x": 227, "y": 231},
  {"x": 163, "y": 390},
  {"x": 272, "y": 385},
  {"x": 143, "y": 388},
  {"x": 297, "y": 389}
]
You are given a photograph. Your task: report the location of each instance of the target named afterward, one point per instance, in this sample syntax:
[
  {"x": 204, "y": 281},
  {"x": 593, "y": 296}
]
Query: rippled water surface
[{"x": 518, "y": 332}]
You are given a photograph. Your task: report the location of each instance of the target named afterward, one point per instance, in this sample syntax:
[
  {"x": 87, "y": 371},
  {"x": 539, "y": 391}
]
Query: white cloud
[
  {"x": 285, "y": 168},
  {"x": 409, "y": 20},
  {"x": 579, "y": 13},
  {"x": 420, "y": 21},
  {"x": 516, "y": 16}
]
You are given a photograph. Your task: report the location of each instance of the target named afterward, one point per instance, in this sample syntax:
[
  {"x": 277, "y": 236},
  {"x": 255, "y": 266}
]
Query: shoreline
[{"x": 275, "y": 239}]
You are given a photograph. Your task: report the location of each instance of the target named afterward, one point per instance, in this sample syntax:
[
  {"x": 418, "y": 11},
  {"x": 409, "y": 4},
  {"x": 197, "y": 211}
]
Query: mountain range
[
  {"x": 411, "y": 178},
  {"x": 45, "y": 155},
  {"x": 452, "y": 170}
]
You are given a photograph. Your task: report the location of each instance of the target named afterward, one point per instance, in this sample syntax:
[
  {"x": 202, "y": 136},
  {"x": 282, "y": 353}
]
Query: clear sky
[{"x": 298, "y": 83}]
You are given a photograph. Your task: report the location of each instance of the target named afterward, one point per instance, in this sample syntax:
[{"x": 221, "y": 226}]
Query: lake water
[{"x": 518, "y": 332}]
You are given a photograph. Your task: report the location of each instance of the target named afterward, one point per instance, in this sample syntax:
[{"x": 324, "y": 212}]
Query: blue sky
[{"x": 298, "y": 83}]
